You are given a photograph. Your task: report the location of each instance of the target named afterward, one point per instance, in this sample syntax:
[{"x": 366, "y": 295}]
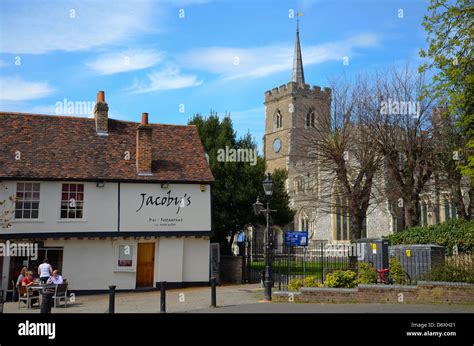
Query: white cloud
[
  {"x": 166, "y": 79},
  {"x": 129, "y": 60},
  {"x": 38, "y": 26},
  {"x": 238, "y": 63},
  {"x": 17, "y": 89}
]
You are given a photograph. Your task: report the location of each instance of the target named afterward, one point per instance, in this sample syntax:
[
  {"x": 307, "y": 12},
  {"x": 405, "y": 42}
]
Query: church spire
[{"x": 298, "y": 73}]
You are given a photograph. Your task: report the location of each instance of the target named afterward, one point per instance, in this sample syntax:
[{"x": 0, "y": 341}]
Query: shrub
[
  {"x": 457, "y": 232},
  {"x": 311, "y": 281},
  {"x": 341, "y": 279},
  {"x": 397, "y": 274},
  {"x": 367, "y": 274},
  {"x": 295, "y": 284}
]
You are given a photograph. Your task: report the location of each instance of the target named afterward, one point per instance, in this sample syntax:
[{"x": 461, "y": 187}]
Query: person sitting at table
[
  {"x": 28, "y": 282},
  {"x": 55, "y": 279},
  {"x": 23, "y": 274},
  {"x": 28, "y": 279},
  {"x": 45, "y": 271}
]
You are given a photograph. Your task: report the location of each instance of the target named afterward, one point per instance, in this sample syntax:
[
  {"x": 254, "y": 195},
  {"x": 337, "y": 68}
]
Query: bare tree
[
  {"x": 7, "y": 207},
  {"x": 342, "y": 153},
  {"x": 402, "y": 133}
]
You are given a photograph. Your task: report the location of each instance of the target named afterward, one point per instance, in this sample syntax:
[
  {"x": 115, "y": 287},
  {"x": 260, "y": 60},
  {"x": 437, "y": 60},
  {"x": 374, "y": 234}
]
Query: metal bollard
[
  {"x": 163, "y": 297},
  {"x": 46, "y": 302},
  {"x": 213, "y": 292},
  {"x": 112, "y": 299},
  {"x": 1, "y": 302}
]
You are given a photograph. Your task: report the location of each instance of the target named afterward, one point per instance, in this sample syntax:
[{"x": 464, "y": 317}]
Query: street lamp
[{"x": 259, "y": 209}]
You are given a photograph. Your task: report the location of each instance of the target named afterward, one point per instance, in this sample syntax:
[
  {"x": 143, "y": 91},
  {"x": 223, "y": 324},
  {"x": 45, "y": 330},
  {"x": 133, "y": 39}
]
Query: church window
[
  {"x": 311, "y": 118},
  {"x": 343, "y": 221},
  {"x": 278, "y": 120}
]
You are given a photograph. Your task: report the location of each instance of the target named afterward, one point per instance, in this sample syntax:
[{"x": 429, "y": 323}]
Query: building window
[
  {"x": 125, "y": 258},
  {"x": 278, "y": 119},
  {"x": 304, "y": 223},
  {"x": 72, "y": 201},
  {"x": 424, "y": 213},
  {"x": 311, "y": 119},
  {"x": 343, "y": 222},
  {"x": 27, "y": 200},
  {"x": 450, "y": 211}
]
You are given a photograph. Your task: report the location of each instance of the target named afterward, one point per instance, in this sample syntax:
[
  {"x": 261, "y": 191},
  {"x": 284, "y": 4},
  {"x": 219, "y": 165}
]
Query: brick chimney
[
  {"x": 101, "y": 115},
  {"x": 144, "y": 146}
]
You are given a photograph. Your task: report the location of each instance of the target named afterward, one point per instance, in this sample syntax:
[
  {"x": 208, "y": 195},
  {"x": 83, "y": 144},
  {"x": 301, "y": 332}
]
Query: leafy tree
[
  {"x": 280, "y": 199},
  {"x": 237, "y": 184},
  {"x": 450, "y": 36}
]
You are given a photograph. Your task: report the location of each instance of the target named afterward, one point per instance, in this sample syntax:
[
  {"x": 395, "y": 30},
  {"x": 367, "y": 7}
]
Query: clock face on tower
[{"x": 276, "y": 145}]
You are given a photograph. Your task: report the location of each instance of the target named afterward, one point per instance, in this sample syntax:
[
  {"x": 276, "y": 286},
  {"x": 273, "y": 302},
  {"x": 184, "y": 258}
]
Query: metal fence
[
  {"x": 320, "y": 258},
  {"x": 296, "y": 262}
]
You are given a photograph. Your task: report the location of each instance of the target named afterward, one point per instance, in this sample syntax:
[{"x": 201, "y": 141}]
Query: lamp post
[{"x": 259, "y": 208}]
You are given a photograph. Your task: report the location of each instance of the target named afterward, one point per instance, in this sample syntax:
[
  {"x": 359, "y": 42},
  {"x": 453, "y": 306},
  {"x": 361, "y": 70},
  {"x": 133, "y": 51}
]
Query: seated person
[
  {"x": 55, "y": 278},
  {"x": 28, "y": 281}
]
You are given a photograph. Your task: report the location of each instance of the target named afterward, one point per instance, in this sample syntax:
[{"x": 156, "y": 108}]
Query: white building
[{"x": 108, "y": 202}]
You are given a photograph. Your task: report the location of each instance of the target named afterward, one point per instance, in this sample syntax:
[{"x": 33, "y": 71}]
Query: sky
[{"x": 173, "y": 59}]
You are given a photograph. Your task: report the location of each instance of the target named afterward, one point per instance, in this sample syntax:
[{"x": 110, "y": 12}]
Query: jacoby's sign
[{"x": 180, "y": 207}]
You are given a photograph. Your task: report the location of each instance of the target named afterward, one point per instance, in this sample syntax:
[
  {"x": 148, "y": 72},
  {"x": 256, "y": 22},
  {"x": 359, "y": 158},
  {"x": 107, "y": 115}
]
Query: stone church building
[{"x": 291, "y": 112}]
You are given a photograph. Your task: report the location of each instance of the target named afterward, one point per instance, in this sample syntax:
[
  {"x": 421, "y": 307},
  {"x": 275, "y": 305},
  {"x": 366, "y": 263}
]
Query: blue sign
[{"x": 296, "y": 238}]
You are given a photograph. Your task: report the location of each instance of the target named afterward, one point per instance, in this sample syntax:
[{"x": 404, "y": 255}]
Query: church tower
[{"x": 291, "y": 111}]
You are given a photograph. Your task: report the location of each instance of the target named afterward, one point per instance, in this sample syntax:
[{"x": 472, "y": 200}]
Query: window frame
[
  {"x": 68, "y": 219},
  {"x": 134, "y": 248},
  {"x": 27, "y": 219}
]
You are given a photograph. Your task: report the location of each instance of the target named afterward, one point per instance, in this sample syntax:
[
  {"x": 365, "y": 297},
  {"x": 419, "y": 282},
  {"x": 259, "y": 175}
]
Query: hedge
[{"x": 453, "y": 232}]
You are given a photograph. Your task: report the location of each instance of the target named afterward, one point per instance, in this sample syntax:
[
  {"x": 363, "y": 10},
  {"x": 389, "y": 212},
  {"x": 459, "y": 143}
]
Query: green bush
[
  {"x": 454, "y": 269},
  {"x": 311, "y": 281},
  {"x": 457, "y": 232},
  {"x": 341, "y": 279},
  {"x": 367, "y": 274},
  {"x": 397, "y": 274},
  {"x": 295, "y": 284}
]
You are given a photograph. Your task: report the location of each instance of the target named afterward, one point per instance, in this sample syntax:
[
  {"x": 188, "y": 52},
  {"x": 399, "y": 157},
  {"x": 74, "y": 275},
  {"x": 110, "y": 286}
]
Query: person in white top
[{"x": 45, "y": 271}]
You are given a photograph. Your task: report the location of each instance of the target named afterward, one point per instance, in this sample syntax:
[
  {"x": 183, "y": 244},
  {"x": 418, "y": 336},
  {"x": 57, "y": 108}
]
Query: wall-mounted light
[
  {"x": 202, "y": 187},
  {"x": 100, "y": 184},
  {"x": 165, "y": 185}
]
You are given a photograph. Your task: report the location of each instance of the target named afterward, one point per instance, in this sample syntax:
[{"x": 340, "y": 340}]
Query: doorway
[{"x": 145, "y": 264}]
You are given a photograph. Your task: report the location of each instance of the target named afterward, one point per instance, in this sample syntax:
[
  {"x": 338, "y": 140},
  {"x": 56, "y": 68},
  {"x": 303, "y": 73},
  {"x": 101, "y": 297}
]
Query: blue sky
[{"x": 175, "y": 58}]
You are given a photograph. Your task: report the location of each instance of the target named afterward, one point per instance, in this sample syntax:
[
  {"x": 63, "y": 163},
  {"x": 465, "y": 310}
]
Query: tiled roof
[{"x": 63, "y": 147}]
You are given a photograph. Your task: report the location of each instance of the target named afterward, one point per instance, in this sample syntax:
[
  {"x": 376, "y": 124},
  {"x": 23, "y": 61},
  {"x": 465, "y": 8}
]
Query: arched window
[
  {"x": 311, "y": 118},
  {"x": 304, "y": 222},
  {"x": 450, "y": 211},
  {"x": 278, "y": 119}
]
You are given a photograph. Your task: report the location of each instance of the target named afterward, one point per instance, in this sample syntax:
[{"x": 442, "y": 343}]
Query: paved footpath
[
  {"x": 177, "y": 300},
  {"x": 230, "y": 299}
]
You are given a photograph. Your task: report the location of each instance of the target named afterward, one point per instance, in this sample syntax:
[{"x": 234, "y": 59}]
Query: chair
[
  {"x": 26, "y": 294},
  {"x": 60, "y": 293}
]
